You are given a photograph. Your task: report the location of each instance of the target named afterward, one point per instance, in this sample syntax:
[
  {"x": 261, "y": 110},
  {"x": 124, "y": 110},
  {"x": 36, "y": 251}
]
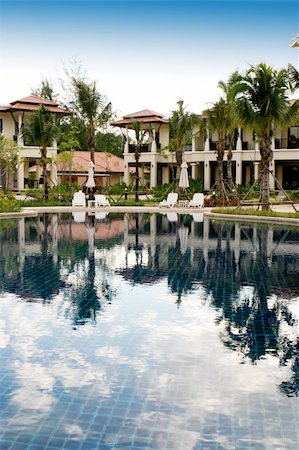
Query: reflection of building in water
[{"x": 212, "y": 245}]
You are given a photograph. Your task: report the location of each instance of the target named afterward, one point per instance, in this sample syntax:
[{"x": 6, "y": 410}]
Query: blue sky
[{"x": 143, "y": 54}]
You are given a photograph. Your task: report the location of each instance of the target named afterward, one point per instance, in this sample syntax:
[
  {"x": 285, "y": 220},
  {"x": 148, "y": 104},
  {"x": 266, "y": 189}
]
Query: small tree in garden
[
  {"x": 218, "y": 120},
  {"x": 231, "y": 122},
  {"x": 41, "y": 129},
  {"x": 181, "y": 123},
  {"x": 9, "y": 159}
]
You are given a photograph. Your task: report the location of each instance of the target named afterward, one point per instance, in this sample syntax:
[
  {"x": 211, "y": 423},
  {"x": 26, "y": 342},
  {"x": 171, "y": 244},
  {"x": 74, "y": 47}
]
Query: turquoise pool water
[{"x": 148, "y": 332}]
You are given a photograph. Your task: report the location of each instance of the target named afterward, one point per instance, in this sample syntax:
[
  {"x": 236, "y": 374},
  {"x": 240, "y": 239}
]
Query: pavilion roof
[
  {"x": 145, "y": 116},
  {"x": 33, "y": 103}
]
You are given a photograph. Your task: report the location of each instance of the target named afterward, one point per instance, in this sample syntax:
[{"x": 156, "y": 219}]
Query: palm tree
[
  {"x": 180, "y": 123},
  {"x": 232, "y": 123},
  {"x": 262, "y": 104},
  {"x": 140, "y": 134},
  {"x": 218, "y": 120},
  {"x": 294, "y": 77},
  {"x": 41, "y": 130},
  {"x": 91, "y": 107}
]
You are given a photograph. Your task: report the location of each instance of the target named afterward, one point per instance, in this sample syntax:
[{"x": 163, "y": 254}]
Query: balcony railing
[
  {"x": 286, "y": 143},
  {"x": 145, "y": 148}
]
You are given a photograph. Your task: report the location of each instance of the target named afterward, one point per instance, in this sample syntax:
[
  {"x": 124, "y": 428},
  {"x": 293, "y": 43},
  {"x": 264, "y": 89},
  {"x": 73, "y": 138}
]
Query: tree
[
  {"x": 45, "y": 90},
  {"x": 9, "y": 158},
  {"x": 110, "y": 142},
  {"x": 91, "y": 107},
  {"x": 180, "y": 123},
  {"x": 41, "y": 129},
  {"x": 232, "y": 123},
  {"x": 262, "y": 104},
  {"x": 140, "y": 134},
  {"x": 218, "y": 120}
]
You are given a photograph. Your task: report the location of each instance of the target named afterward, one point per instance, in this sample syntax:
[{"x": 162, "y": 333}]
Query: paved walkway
[{"x": 33, "y": 211}]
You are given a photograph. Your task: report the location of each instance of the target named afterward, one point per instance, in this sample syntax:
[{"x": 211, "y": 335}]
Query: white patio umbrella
[
  {"x": 184, "y": 180},
  {"x": 90, "y": 180}
]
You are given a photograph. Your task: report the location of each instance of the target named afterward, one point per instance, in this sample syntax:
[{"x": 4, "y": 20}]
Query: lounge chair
[
  {"x": 197, "y": 201},
  {"x": 171, "y": 200},
  {"x": 101, "y": 200},
  {"x": 79, "y": 199}
]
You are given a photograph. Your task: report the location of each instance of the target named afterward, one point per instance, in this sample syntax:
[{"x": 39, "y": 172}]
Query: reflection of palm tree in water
[{"x": 252, "y": 325}]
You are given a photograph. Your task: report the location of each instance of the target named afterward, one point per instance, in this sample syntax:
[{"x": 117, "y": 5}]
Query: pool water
[{"x": 148, "y": 332}]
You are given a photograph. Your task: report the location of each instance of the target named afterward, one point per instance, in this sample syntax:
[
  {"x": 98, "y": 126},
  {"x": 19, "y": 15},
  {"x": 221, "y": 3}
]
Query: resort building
[
  {"x": 200, "y": 153},
  {"x": 12, "y": 117}
]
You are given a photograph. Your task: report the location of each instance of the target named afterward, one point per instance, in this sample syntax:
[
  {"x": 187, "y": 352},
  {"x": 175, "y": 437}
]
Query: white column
[
  {"x": 53, "y": 174},
  {"x": 193, "y": 171},
  {"x": 273, "y": 142},
  {"x": 20, "y": 176},
  {"x": 271, "y": 178},
  {"x": 207, "y": 141},
  {"x": 127, "y": 174},
  {"x": 207, "y": 176},
  {"x": 256, "y": 170},
  {"x": 239, "y": 140},
  {"x": 153, "y": 174},
  {"x": 20, "y": 141},
  {"x": 126, "y": 149},
  {"x": 238, "y": 169},
  {"x": 154, "y": 144},
  {"x": 193, "y": 143}
]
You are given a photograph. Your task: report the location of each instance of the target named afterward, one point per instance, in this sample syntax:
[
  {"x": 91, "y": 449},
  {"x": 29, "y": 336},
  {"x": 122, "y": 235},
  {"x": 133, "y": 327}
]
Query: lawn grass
[{"x": 254, "y": 212}]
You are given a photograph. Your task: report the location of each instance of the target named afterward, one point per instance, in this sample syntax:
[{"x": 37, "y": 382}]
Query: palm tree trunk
[
  {"x": 44, "y": 165},
  {"x": 266, "y": 157},
  {"x": 220, "y": 155},
  {"x": 137, "y": 155},
  {"x": 179, "y": 161},
  {"x": 229, "y": 167}
]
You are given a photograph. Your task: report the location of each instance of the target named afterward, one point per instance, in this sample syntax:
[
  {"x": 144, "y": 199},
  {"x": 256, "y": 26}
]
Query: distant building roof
[
  {"x": 145, "y": 116},
  {"x": 104, "y": 162},
  {"x": 33, "y": 103}
]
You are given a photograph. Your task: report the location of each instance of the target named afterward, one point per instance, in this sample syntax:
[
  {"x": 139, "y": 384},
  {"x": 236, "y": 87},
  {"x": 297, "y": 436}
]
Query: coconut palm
[
  {"x": 91, "y": 107},
  {"x": 262, "y": 104},
  {"x": 294, "y": 77},
  {"x": 140, "y": 134},
  {"x": 232, "y": 123},
  {"x": 180, "y": 124},
  {"x": 218, "y": 120},
  {"x": 41, "y": 130}
]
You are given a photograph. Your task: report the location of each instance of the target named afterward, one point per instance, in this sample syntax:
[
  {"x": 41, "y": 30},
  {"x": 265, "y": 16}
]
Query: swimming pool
[{"x": 148, "y": 331}]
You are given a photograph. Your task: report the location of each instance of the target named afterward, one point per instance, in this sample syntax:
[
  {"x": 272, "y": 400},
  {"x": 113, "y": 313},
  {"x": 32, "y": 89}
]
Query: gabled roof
[
  {"x": 33, "y": 103},
  {"x": 104, "y": 162},
  {"x": 145, "y": 116}
]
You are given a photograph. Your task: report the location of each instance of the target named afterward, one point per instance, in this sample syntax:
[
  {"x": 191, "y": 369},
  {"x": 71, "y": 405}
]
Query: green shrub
[
  {"x": 195, "y": 185},
  {"x": 8, "y": 203}
]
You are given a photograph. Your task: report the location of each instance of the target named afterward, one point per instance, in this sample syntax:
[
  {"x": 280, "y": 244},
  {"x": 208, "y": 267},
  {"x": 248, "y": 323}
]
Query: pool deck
[{"x": 208, "y": 212}]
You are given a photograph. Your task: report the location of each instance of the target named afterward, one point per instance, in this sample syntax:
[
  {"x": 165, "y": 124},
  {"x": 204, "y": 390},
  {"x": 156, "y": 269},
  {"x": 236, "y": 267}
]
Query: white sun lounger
[
  {"x": 79, "y": 199},
  {"x": 101, "y": 200},
  {"x": 197, "y": 201},
  {"x": 171, "y": 200}
]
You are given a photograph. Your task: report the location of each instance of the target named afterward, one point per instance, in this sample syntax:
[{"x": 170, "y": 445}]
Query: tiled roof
[
  {"x": 145, "y": 116},
  {"x": 33, "y": 103},
  {"x": 104, "y": 162}
]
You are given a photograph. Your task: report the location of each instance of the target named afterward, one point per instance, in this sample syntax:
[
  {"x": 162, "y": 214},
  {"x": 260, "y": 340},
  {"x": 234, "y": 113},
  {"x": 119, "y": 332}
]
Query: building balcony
[
  {"x": 286, "y": 143},
  {"x": 145, "y": 148}
]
